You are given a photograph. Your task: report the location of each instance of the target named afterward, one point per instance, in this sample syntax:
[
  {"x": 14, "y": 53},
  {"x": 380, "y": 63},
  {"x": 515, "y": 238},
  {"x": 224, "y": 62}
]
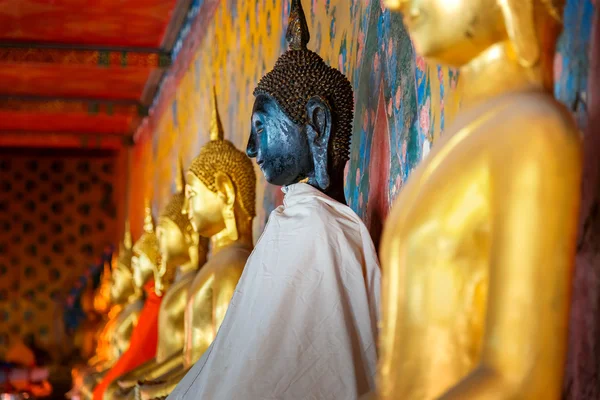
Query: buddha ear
[
  {"x": 520, "y": 26},
  {"x": 225, "y": 188},
  {"x": 318, "y": 132}
]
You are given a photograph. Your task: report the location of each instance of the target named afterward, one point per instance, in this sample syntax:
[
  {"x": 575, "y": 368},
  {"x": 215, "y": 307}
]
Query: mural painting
[{"x": 402, "y": 103}]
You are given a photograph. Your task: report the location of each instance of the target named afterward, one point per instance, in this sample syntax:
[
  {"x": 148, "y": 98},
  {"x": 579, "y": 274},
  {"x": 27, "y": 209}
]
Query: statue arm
[
  {"x": 535, "y": 198},
  {"x": 150, "y": 370},
  {"x": 129, "y": 379},
  {"x": 227, "y": 282},
  {"x": 159, "y": 390}
]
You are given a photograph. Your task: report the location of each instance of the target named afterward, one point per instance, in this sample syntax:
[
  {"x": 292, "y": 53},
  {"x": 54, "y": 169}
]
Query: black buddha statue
[
  {"x": 302, "y": 117},
  {"x": 302, "y": 322}
]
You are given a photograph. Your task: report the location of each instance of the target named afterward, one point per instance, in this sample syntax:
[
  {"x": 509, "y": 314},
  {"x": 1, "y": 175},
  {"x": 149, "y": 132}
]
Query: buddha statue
[
  {"x": 142, "y": 347},
  {"x": 182, "y": 252},
  {"x": 103, "y": 305},
  {"x": 302, "y": 322},
  {"x": 125, "y": 307},
  {"x": 220, "y": 204},
  {"x": 87, "y": 334},
  {"x": 478, "y": 251}
]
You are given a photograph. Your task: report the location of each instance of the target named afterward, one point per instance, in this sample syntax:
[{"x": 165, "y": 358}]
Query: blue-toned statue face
[{"x": 279, "y": 145}]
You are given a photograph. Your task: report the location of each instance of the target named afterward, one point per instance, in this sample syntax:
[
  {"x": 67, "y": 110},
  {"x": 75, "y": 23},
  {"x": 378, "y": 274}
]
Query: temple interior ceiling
[{"x": 87, "y": 75}]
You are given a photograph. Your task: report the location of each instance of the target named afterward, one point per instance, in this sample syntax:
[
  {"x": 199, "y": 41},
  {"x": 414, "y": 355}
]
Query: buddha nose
[{"x": 251, "y": 150}]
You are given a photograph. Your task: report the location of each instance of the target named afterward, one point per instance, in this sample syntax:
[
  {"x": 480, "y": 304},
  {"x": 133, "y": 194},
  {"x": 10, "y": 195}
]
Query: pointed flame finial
[
  {"x": 127, "y": 241},
  {"x": 216, "y": 127},
  {"x": 297, "y": 34},
  {"x": 148, "y": 219},
  {"x": 179, "y": 176}
]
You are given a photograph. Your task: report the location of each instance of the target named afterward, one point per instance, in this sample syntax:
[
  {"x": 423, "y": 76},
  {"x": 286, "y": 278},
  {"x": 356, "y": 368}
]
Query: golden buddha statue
[
  {"x": 146, "y": 263},
  {"x": 220, "y": 203},
  {"x": 87, "y": 334},
  {"x": 478, "y": 250},
  {"x": 126, "y": 291},
  {"x": 103, "y": 305},
  {"x": 182, "y": 252},
  {"x": 117, "y": 284}
]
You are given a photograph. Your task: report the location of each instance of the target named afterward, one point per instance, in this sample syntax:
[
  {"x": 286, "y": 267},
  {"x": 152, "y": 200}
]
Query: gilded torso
[
  {"x": 170, "y": 317},
  {"x": 209, "y": 297},
  {"x": 437, "y": 251},
  {"x": 125, "y": 322}
]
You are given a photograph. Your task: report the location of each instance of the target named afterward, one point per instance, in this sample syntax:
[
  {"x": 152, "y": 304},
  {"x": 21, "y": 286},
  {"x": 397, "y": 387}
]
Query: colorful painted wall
[
  {"x": 242, "y": 41},
  {"x": 402, "y": 103},
  {"x": 57, "y": 214}
]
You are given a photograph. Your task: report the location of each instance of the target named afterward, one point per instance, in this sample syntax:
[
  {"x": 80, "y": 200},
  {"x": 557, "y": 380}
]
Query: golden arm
[
  {"x": 158, "y": 390},
  {"x": 150, "y": 370},
  {"x": 225, "y": 287}
]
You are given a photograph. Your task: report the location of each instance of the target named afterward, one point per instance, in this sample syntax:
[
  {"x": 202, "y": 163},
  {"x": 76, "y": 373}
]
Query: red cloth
[{"x": 142, "y": 346}]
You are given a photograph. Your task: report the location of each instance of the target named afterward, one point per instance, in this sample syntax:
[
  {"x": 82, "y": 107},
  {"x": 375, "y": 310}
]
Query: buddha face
[
  {"x": 203, "y": 207},
  {"x": 451, "y": 32},
  {"x": 121, "y": 287},
  {"x": 172, "y": 243},
  {"x": 279, "y": 145},
  {"x": 143, "y": 269}
]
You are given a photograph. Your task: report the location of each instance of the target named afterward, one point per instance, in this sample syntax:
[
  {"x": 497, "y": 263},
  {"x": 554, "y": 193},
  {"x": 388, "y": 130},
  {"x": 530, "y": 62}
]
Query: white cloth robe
[{"x": 302, "y": 323}]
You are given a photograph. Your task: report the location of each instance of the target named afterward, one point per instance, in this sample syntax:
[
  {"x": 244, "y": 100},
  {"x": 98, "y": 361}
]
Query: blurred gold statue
[
  {"x": 146, "y": 263},
  {"x": 118, "y": 299},
  {"x": 182, "y": 252},
  {"x": 87, "y": 334},
  {"x": 220, "y": 203},
  {"x": 126, "y": 289},
  {"x": 478, "y": 250}
]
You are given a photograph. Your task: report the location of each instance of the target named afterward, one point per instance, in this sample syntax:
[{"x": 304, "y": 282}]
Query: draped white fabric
[{"x": 302, "y": 323}]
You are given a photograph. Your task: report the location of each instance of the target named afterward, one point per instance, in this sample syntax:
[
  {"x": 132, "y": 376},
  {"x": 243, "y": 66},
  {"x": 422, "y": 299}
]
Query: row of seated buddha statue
[
  {"x": 167, "y": 299},
  {"x": 477, "y": 253}
]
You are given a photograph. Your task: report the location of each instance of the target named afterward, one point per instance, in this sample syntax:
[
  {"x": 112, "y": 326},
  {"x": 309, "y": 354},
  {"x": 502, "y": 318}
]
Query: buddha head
[
  {"x": 301, "y": 122},
  {"x": 176, "y": 237},
  {"x": 220, "y": 186},
  {"x": 453, "y": 32},
  {"x": 122, "y": 277},
  {"x": 102, "y": 300},
  {"x": 146, "y": 253}
]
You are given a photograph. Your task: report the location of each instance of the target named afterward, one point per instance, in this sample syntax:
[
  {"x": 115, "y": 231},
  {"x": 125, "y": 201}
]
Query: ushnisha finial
[
  {"x": 216, "y": 127},
  {"x": 148, "y": 219},
  {"x": 297, "y": 34},
  {"x": 179, "y": 176},
  {"x": 127, "y": 241}
]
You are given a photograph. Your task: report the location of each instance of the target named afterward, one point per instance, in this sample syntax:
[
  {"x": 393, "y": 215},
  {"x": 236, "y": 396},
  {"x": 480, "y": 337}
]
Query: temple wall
[
  {"x": 402, "y": 103},
  {"x": 243, "y": 40},
  {"x": 49, "y": 203}
]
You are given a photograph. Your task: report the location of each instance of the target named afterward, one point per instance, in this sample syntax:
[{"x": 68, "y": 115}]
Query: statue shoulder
[
  {"x": 231, "y": 261},
  {"x": 178, "y": 286},
  {"x": 539, "y": 118},
  {"x": 224, "y": 263}
]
